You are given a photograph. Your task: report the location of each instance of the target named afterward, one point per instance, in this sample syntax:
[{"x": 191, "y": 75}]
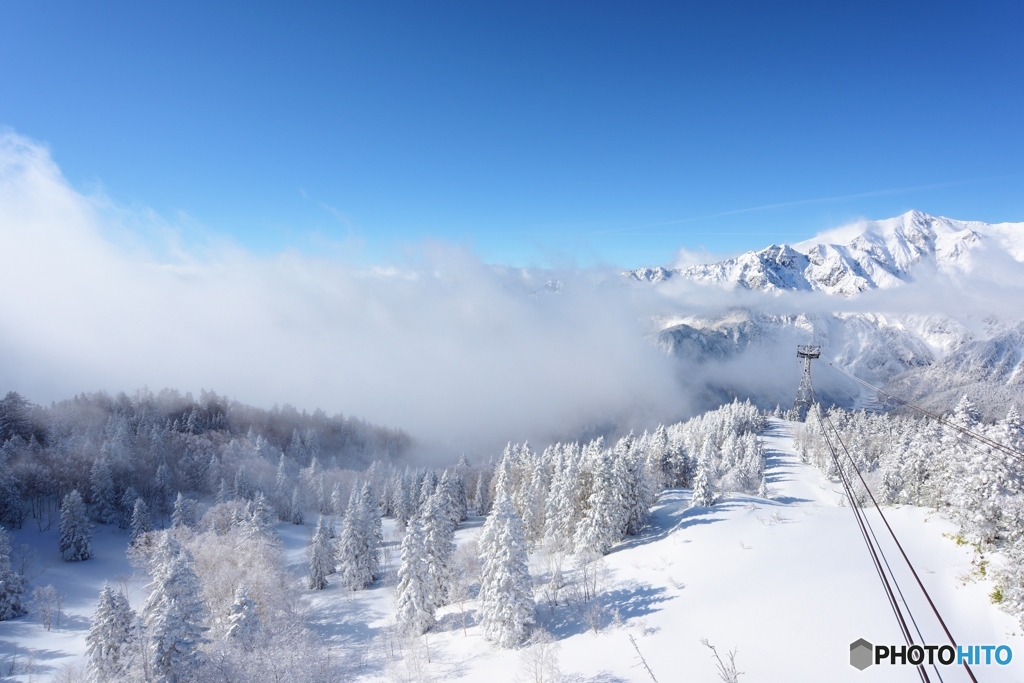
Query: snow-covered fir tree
[
  {"x": 101, "y": 483},
  {"x": 356, "y": 544},
  {"x": 12, "y": 507},
  {"x": 140, "y": 520},
  {"x": 565, "y": 503},
  {"x": 184, "y": 512},
  {"x": 370, "y": 512},
  {"x": 481, "y": 501},
  {"x": 535, "y": 498},
  {"x": 297, "y": 516},
  {"x": 321, "y": 561},
  {"x": 602, "y": 522},
  {"x": 506, "y": 591},
  {"x": 110, "y": 642},
  {"x": 162, "y": 490},
  {"x": 438, "y": 547},
  {"x": 12, "y": 584},
  {"x": 243, "y": 619},
  {"x": 703, "y": 494},
  {"x": 636, "y": 495},
  {"x": 173, "y": 615},
  {"x": 75, "y": 538},
  {"x": 337, "y": 501},
  {"x": 258, "y": 515},
  {"x": 223, "y": 494},
  {"x": 415, "y": 607}
]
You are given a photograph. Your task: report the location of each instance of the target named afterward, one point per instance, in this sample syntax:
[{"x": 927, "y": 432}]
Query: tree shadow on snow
[
  {"x": 671, "y": 515},
  {"x": 21, "y": 659},
  {"x": 345, "y": 621},
  {"x": 622, "y": 604}
]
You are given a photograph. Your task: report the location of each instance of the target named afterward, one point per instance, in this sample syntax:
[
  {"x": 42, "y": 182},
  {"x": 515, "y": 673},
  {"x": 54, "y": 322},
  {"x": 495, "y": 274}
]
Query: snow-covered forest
[
  {"x": 201, "y": 492},
  {"x": 914, "y": 460},
  {"x": 234, "y": 544}
]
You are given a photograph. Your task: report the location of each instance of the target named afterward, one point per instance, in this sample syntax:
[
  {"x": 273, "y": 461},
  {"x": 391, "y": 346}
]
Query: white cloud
[{"x": 442, "y": 345}]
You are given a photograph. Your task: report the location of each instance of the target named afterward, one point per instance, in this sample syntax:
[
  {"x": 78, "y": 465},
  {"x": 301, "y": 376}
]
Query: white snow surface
[{"x": 785, "y": 582}]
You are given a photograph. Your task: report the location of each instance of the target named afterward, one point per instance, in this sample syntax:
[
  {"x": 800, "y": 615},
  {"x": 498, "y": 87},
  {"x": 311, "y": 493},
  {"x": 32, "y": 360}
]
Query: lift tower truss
[{"x": 805, "y": 392}]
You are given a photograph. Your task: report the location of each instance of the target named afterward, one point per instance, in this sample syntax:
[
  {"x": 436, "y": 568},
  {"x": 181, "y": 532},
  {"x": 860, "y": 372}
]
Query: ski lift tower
[{"x": 805, "y": 393}]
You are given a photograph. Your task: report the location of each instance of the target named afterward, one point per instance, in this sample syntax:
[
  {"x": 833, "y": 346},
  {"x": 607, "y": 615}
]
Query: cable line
[
  {"x": 1003, "y": 448},
  {"x": 892, "y": 533},
  {"x": 874, "y": 549}
]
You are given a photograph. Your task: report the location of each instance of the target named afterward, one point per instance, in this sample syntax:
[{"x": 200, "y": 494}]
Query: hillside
[{"x": 785, "y": 582}]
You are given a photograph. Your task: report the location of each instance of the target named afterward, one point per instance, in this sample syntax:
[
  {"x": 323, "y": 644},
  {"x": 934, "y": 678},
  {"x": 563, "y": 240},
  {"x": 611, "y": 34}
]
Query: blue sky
[{"x": 536, "y": 133}]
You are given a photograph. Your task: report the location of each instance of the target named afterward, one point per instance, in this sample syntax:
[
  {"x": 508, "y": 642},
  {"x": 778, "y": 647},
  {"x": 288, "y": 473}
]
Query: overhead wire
[
  {"x": 874, "y": 548},
  {"x": 991, "y": 443},
  {"x": 899, "y": 546}
]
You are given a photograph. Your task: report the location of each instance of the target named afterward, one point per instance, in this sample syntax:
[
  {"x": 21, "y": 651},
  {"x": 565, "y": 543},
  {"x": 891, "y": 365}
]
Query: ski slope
[{"x": 787, "y": 583}]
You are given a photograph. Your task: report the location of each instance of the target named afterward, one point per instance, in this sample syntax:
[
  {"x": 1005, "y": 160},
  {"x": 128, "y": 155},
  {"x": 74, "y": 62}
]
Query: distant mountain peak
[{"x": 853, "y": 258}]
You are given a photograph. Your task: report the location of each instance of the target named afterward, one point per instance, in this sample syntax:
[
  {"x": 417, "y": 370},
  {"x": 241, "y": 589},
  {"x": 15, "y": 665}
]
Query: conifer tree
[
  {"x": 320, "y": 558},
  {"x": 102, "y": 485},
  {"x": 337, "y": 502},
  {"x": 223, "y": 495},
  {"x": 184, "y": 512},
  {"x": 506, "y": 592},
  {"x": 703, "y": 495},
  {"x": 297, "y": 516},
  {"x": 125, "y": 507},
  {"x": 12, "y": 584},
  {"x": 564, "y": 504},
  {"x": 110, "y": 638},
  {"x": 601, "y": 525},
  {"x": 439, "y": 548},
  {"x": 140, "y": 520},
  {"x": 12, "y": 507},
  {"x": 75, "y": 539},
  {"x": 534, "y": 501},
  {"x": 480, "y": 498},
  {"x": 637, "y": 496},
  {"x": 414, "y": 605},
  {"x": 370, "y": 514},
  {"x": 243, "y": 619},
  {"x": 173, "y": 614},
  {"x": 162, "y": 491},
  {"x": 354, "y": 567},
  {"x": 427, "y": 488}
]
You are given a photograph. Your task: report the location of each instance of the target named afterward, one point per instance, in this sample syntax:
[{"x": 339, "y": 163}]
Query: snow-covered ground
[{"x": 787, "y": 583}]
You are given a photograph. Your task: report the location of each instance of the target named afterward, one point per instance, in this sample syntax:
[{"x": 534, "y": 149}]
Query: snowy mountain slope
[
  {"x": 751, "y": 354},
  {"x": 855, "y": 258},
  {"x": 787, "y": 583},
  {"x": 933, "y": 350},
  {"x": 990, "y": 371}
]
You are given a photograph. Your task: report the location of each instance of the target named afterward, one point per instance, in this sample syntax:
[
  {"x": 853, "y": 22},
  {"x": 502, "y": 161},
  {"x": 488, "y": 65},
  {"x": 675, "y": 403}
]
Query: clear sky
[{"x": 535, "y": 132}]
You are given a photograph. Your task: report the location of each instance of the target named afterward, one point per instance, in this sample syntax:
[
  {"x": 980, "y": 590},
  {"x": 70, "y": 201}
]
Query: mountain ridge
[{"x": 854, "y": 258}]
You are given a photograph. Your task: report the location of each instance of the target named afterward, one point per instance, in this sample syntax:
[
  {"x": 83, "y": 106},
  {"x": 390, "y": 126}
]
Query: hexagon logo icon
[{"x": 861, "y": 652}]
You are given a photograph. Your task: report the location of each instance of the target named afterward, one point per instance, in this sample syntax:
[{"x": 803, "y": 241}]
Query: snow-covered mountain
[
  {"x": 855, "y": 258},
  {"x": 926, "y": 356}
]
